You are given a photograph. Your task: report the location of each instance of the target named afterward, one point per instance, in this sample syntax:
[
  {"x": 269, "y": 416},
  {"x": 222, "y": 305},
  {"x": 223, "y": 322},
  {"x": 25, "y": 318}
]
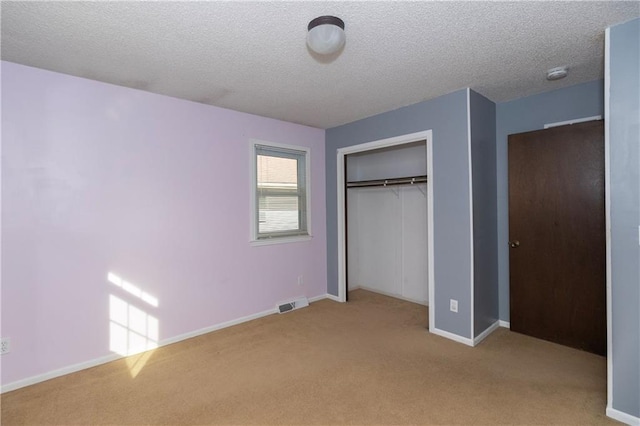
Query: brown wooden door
[{"x": 556, "y": 220}]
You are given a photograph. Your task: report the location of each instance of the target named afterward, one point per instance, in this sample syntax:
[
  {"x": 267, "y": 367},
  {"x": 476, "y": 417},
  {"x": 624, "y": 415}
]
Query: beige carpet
[{"x": 370, "y": 361}]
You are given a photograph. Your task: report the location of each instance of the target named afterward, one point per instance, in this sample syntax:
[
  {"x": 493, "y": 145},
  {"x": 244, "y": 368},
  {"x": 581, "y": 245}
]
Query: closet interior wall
[{"x": 387, "y": 225}]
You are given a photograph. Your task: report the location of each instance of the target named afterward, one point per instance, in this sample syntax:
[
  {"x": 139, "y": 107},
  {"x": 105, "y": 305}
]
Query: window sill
[{"x": 280, "y": 240}]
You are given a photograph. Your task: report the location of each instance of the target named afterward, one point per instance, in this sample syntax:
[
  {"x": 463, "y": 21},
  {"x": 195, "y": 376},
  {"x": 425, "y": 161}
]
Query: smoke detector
[{"x": 556, "y": 73}]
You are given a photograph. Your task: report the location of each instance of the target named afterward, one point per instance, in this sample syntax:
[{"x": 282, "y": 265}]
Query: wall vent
[{"x": 292, "y": 305}]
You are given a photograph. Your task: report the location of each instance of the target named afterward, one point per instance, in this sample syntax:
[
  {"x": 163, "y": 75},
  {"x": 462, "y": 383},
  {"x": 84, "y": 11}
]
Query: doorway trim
[
  {"x": 427, "y": 136},
  {"x": 610, "y": 411}
]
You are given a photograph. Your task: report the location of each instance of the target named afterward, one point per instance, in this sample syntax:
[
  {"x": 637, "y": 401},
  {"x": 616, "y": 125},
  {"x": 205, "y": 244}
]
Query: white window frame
[{"x": 253, "y": 238}]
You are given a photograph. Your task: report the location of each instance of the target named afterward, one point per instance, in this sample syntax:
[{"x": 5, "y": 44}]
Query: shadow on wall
[{"x": 133, "y": 332}]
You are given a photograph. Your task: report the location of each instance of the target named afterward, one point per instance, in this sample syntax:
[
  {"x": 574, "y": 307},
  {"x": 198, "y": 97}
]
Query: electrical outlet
[
  {"x": 453, "y": 305},
  {"x": 4, "y": 346},
  {"x": 300, "y": 280}
]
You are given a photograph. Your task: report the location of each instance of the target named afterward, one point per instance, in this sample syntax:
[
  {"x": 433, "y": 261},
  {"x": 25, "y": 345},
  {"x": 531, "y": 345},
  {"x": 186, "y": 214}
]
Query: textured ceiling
[{"x": 252, "y": 56}]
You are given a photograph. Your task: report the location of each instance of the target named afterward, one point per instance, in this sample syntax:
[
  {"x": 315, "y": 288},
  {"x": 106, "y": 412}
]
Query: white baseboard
[
  {"x": 60, "y": 372},
  {"x": 451, "y": 336},
  {"x": 465, "y": 340},
  {"x": 319, "y": 297},
  {"x": 216, "y": 327},
  {"x": 623, "y": 417},
  {"x": 505, "y": 324},
  {"x": 113, "y": 357},
  {"x": 324, "y": 296},
  {"x": 332, "y": 297},
  {"x": 480, "y": 337}
]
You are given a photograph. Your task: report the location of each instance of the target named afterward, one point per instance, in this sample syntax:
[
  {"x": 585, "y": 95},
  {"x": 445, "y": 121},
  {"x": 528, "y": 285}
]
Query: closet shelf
[{"x": 387, "y": 182}]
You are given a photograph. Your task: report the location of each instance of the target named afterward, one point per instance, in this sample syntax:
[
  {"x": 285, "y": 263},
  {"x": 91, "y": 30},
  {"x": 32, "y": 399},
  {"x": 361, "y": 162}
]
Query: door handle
[{"x": 514, "y": 244}]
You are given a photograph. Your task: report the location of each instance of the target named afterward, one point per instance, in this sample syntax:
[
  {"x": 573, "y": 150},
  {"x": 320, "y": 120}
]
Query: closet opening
[{"x": 385, "y": 219}]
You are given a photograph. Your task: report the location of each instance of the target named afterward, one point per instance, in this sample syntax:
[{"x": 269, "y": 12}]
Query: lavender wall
[{"x": 98, "y": 178}]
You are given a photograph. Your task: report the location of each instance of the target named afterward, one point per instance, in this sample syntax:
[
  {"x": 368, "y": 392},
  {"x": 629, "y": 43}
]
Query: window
[{"x": 280, "y": 197}]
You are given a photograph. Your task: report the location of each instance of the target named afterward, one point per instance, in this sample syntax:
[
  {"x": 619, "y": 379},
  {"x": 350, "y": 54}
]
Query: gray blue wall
[
  {"x": 523, "y": 115},
  {"x": 483, "y": 166},
  {"x": 447, "y": 117},
  {"x": 624, "y": 181}
]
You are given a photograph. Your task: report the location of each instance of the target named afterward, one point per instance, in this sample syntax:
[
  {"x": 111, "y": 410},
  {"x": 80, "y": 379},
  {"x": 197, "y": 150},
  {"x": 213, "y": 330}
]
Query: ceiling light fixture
[
  {"x": 326, "y": 35},
  {"x": 556, "y": 73}
]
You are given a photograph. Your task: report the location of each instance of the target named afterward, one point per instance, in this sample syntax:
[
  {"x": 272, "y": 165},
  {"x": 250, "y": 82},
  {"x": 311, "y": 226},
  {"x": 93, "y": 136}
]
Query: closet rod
[{"x": 387, "y": 182}]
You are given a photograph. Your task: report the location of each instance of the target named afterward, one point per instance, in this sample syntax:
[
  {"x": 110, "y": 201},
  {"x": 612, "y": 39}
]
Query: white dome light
[{"x": 326, "y": 35}]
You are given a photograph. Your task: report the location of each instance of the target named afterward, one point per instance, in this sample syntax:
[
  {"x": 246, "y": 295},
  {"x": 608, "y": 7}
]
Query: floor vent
[{"x": 294, "y": 304}]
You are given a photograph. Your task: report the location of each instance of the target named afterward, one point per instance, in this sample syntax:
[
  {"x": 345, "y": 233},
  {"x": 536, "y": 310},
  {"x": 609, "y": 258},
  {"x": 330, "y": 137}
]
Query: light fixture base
[
  {"x": 556, "y": 73},
  {"x": 326, "y": 20}
]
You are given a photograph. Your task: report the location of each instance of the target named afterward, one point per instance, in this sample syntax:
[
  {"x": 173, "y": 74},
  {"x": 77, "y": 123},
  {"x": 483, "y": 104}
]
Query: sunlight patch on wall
[
  {"x": 132, "y": 330},
  {"x": 132, "y": 289}
]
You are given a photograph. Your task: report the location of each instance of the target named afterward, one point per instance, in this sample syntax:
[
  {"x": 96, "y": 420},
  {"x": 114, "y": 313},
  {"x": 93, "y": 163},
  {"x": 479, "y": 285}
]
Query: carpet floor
[{"x": 369, "y": 361}]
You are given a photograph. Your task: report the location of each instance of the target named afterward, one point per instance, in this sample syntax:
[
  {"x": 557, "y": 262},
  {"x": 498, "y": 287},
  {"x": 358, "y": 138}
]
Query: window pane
[
  {"x": 277, "y": 172},
  {"x": 278, "y": 213},
  {"x": 277, "y": 194},
  {"x": 280, "y": 192}
]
